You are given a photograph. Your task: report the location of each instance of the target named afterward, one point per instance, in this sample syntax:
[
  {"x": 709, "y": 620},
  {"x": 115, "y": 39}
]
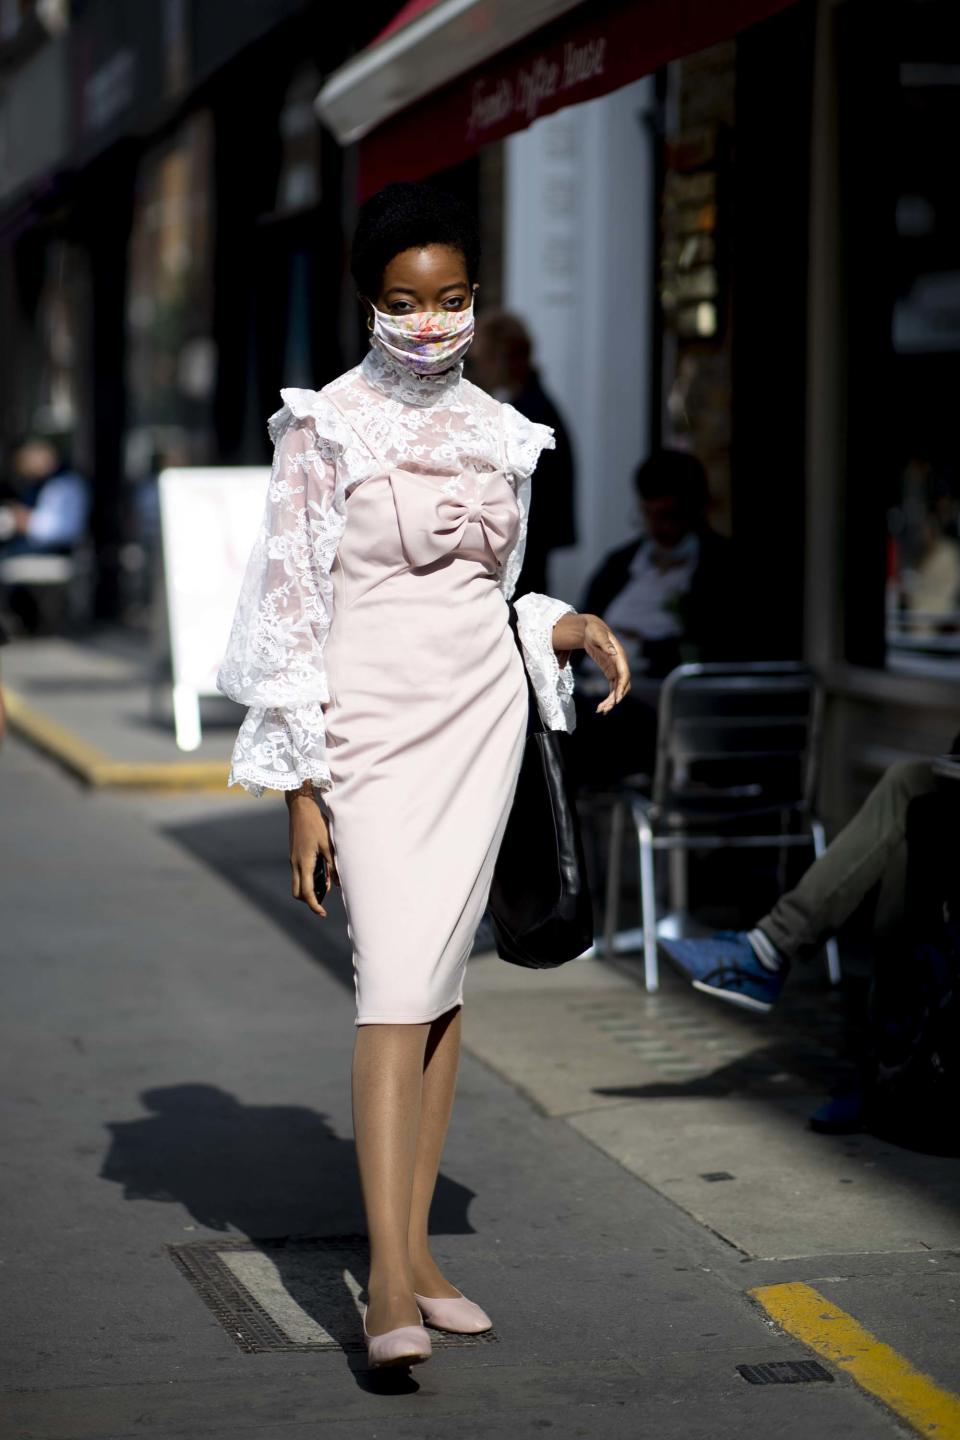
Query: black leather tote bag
[{"x": 539, "y": 899}]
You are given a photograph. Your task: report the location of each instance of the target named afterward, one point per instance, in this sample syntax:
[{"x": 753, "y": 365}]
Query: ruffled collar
[{"x": 387, "y": 375}]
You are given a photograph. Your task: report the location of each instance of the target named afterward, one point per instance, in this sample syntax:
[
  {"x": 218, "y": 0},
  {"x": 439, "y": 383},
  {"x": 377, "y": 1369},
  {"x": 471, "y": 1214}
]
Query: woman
[{"x": 372, "y": 643}]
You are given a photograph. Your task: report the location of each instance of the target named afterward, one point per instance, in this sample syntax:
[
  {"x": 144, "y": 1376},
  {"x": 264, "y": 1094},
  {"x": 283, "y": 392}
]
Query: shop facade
[
  {"x": 171, "y": 242},
  {"x": 883, "y": 355},
  {"x": 741, "y": 241},
  {"x": 728, "y": 226},
  {"x": 563, "y": 115}
]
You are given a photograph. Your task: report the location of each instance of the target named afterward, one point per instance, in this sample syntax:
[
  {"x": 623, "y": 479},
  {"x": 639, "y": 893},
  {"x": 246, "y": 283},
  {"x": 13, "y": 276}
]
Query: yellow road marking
[
  {"x": 915, "y": 1397},
  {"x": 95, "y": 768}
]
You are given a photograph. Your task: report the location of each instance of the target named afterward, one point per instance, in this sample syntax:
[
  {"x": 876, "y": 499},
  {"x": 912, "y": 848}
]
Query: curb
[{"x": 96, "y": 769}]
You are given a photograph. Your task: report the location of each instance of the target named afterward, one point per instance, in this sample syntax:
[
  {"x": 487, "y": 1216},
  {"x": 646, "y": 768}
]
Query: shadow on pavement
[
  {"x": 777, "y": 1070},
  {"x": 791, "y": 1061},
  {"x": 268, "y": 1171},
  {"x": 272, "y": 1173}
]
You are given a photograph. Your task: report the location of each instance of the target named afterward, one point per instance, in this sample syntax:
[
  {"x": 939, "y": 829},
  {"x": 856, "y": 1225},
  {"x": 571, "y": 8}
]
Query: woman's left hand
[
  {"x": 605, "y": 650},
  {"x": 590, "y": 633}
]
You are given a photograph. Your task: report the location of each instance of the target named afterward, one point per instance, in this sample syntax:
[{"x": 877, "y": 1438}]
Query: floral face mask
[{"x": 426, "y": 342}]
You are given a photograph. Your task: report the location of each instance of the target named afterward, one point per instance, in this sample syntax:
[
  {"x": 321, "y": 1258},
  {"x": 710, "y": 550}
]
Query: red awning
[
  {"x": 587, "y": 51},
  {"x": 409, "y": 12},
  {"x": 425, "y": 46}
]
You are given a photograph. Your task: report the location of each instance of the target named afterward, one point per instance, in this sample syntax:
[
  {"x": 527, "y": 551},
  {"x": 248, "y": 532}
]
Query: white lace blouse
[{"x": 274, "y": 659}]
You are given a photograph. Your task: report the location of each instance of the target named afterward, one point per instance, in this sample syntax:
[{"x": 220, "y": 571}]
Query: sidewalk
[
  {"x": 181, "y": 1252},
  {"x": 89, "y": 705}
]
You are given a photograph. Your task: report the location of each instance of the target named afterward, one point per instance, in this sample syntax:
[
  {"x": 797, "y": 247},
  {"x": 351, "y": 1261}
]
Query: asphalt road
[{"x": 176, "y": 1039}]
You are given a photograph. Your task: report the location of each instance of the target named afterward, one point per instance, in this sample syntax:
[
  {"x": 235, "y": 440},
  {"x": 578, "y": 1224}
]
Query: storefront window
[
  {"x": 172, "y": 358},
  {"x": 298, "y": 184},
  {"x": 9, "y": 18},
  {"x": 58, "y": 318},
  {"x": 923, "y": 570},
  {"x": 54, "y": 14},
  {"x": 694, "y": 285}
]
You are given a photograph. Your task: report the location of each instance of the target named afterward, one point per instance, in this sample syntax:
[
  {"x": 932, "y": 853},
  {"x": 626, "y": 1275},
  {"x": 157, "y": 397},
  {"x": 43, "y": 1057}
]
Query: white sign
[{"x": 209, "y": 520}]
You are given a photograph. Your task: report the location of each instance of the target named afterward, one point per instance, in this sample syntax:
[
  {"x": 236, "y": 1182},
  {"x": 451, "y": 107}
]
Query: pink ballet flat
[
  {"x": 456, "y": 1313},
  {"x": 406, "y": 1345}
]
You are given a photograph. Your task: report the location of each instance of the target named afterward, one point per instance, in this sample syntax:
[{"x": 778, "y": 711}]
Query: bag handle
[{"x": 535, "y": 725}]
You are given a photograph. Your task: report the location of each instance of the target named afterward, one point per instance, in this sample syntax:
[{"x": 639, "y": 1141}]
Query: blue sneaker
[
  {"x": 843, "y": 1115},
  {"x": 725, "y": 965}
]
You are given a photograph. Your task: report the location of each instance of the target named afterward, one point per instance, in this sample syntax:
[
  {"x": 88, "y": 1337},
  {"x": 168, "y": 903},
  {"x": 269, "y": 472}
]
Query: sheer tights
[{"x": 404, "y": 1078}]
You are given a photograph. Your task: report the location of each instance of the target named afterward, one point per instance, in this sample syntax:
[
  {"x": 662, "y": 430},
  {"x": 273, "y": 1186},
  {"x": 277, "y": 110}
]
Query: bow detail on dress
[{"x": 433, "y": 524}]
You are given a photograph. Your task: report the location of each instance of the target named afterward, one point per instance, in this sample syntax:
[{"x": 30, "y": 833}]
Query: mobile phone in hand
[{"x": 321, "y": 878}]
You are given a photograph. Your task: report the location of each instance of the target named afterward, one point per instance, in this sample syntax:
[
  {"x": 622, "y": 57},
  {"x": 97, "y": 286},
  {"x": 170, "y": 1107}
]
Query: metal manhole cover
[
  {"x": 785, "y": 1372},
  {"x": 288, "y": 1295}
]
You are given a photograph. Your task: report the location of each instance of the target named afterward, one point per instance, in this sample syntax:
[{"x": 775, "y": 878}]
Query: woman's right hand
[{"x": 309, "y": 838}]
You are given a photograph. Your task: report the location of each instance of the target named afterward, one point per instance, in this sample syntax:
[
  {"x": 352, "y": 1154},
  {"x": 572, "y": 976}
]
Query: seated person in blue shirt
[
  {"x": 672, "y": 595},
  {"x": 44, "y": 507},
  {"x": 43, "y": 512}
]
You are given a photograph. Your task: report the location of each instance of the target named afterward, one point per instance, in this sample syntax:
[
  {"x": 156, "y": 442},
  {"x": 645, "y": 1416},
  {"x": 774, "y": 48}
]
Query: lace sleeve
[
  {"x": 523, "y": 442},
  {"x": 274, "y": 657},
  {"x": 552, "y": 684}
]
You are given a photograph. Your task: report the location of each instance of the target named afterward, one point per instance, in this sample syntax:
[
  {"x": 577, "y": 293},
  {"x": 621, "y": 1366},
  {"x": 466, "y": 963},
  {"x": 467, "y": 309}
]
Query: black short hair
[
  {"x": 60, "y": 444},
  {"x": 409, "y": 216},
  {"x": 674, "y": 473}
]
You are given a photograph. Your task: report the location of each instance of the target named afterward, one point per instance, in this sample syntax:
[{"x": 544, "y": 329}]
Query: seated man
[
  {"x": 43, "y": 511},
  {"x": 671, "y": 594},
  {"x": 671, "y": 591},
  {"x": 748, "y": 967}
]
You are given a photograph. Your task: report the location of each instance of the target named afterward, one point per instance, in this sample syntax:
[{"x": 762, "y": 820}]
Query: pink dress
[{"x": 374, "y": 617}]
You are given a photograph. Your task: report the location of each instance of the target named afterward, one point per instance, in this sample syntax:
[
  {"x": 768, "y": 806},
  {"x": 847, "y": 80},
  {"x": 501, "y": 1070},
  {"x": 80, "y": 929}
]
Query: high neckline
[{"x": 387, "y": 375}]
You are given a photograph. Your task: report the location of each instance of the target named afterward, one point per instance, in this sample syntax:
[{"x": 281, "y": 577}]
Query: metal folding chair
[{"x": 737, "y": 745}]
